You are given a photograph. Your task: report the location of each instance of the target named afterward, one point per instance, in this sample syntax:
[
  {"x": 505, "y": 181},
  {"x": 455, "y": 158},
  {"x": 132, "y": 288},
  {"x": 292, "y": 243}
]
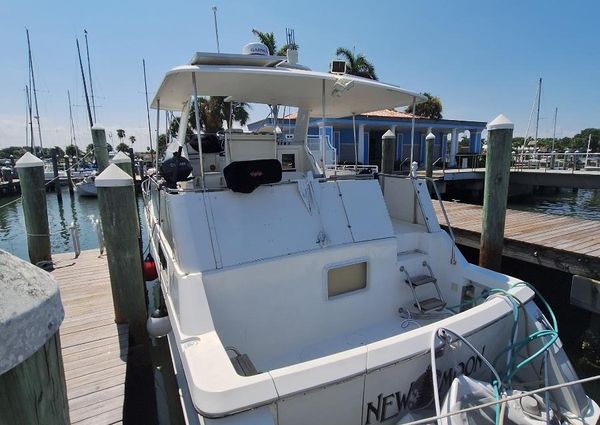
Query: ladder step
[
  {"x": 422, "y": 280},
  {"x": 432, "y": 304}
]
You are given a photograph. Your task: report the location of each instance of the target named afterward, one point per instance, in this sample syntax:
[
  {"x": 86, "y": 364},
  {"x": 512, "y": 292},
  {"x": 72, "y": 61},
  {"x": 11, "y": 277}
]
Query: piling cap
[
  {"x": 29, "y": 160},
  {"x": 113, "y": 176},
  {"x": 97, "y": 127},
  {"x": 430, "y": 136},
  {"x": 388, "y": 135},
  {"x": 121, "y": 158},
  {"x": 501, "y": 123},
  {"x": 30, "y": 310}
]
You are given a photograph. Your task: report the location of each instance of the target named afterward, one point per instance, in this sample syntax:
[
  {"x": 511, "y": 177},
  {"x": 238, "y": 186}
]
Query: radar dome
[{"x": 257, "y": 49}]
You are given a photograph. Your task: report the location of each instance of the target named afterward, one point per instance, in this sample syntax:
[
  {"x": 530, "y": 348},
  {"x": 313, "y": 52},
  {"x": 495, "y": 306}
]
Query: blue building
[{"x": 371, "y": 126}]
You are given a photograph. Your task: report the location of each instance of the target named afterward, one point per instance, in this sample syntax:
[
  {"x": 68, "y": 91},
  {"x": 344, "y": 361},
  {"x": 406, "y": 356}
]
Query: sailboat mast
[
  {"x": 537, "y": 120},
  {"x": 554, "y": 131},
  {"x": 73, "y": 136},
  {"x": 30, "y": 118},
  {"x": 87, "y": 52},
  {"x": 148, "y": 112},
  {"x": 87, "y": 100},
  {"x": 34, "y": 90}
]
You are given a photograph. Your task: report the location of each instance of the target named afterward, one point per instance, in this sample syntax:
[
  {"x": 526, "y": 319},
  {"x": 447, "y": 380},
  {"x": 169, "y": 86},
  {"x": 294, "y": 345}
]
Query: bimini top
[{"x": 344, "y": 94}]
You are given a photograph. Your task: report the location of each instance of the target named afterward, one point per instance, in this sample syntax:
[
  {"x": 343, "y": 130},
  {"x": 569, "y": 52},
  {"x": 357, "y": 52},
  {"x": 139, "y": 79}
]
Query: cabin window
[
  {"x": 288, "y": 162},
  {"x": 345, "y": 279}
]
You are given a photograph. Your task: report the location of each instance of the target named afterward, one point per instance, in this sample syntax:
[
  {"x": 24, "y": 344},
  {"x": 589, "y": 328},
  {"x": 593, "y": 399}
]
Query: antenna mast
[
  {"x": 87, "y": 52},
  {"x": 214, "y": 9},
  {"x": 148, "y": 112},
  {"x": 87, "y": 100},
  {"x": 34, "y": 90}
]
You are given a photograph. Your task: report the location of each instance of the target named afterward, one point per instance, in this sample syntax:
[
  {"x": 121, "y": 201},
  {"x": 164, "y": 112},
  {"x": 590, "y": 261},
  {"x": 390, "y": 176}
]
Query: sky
[{"x": 482, "y": 58}]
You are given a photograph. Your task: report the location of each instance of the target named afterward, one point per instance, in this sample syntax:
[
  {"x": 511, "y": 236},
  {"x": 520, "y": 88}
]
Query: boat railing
[{"x": 433, "y": 184}]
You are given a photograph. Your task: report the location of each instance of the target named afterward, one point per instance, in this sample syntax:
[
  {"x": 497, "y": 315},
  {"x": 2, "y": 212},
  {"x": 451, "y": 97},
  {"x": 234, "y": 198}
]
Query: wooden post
[
  {"x": 32, "y": 379},
  {"x": 100, "y": 148},
  {"x": 429, "y": 142},
  {"x": 388, "y": 152},
  {"x": 69, "y": 179},
  {"x": 120, "y": 228},
  {"x": 55, "y": 174},
  {"x": 121, "y": 160},
  {"x": 31, "y": 179},
  {"x": 497, "y": 173}
]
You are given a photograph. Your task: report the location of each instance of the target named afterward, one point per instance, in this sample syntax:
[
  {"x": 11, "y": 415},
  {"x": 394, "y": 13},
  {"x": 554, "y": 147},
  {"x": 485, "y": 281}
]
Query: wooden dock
[
  {"x": 564, "y": 243},
  {"x": 94, "y": 348}
]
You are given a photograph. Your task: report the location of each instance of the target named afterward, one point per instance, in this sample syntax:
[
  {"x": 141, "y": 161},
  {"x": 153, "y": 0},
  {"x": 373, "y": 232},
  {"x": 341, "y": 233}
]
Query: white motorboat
[
  {"x": 298, "y": 296},
  {"x": 87, "y": 186}
]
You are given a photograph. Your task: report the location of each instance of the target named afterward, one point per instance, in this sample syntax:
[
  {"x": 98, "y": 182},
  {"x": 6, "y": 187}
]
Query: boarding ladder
[{"x": 428, "y": 304}]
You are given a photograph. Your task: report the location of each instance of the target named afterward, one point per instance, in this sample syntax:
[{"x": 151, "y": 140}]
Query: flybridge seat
[{"x": 245, "y": 176}]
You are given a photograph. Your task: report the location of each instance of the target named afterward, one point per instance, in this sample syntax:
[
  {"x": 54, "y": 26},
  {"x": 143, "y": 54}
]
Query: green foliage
[
  {"x": 122, "y": 147},
  {"x": 132, "y": 139},
  {"x": 431, "y": 108},
  {"x": 72, "y": 150},
  {"x": 577, "y": 142},
  {"x": 59, "y": 151},
  {"x": 120, "y": 133},
  {"x": 357, "y": 64},
  {"x": 16, "y": 152},
  {"x": 268, "y": 39},
  {"x": 162, "y": 144}
]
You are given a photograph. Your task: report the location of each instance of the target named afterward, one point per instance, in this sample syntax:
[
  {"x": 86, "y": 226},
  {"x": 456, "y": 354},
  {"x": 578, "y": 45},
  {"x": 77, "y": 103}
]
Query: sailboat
[
  {"x": 87, "y": 187},
  {"x": 295, "y": 296}
]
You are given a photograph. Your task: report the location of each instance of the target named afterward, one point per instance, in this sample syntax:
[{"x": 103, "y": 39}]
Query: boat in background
[
  {"x": 87, "y": 187},
  {"x": 297, "y": 295}
]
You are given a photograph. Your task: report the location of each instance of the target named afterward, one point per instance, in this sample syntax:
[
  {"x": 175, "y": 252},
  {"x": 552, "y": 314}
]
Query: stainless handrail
[{"x": 439, "y": 197}]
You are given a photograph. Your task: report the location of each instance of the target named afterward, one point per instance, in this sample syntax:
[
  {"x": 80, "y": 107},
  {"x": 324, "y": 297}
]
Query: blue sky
[{"x": 481, "y": 58}]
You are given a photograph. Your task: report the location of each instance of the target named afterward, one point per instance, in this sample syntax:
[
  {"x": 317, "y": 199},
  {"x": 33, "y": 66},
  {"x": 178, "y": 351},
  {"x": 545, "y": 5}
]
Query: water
[
  {"x": 80, "y": 211},
  {"x": 583, "y": 203}
]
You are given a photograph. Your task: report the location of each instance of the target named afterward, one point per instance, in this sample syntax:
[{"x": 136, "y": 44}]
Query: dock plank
[
  {"x": 564, "y": 243},
  {"x": 94, "y": 347}
]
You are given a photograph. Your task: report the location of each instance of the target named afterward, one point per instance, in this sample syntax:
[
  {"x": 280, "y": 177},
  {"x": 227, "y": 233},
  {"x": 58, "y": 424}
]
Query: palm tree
[
  {"x": 268, "y": 39},
  {"x": 431, "y": 108},
  {"x": 121, "y": 134},
  {"x": 132, "y": 140},
  {"x": 214, "y": 111},
  {"x": 357, "y": 64}
]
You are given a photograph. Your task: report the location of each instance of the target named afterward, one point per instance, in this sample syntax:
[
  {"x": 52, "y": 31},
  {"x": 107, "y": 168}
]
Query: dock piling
[
  {"x": 31, "y": 178},
  {"x": 122, "y": 160},
  {"x": 55, "y": 174},
  {"x": 388, "y": 150},
  {"x": 120, "y": 228},
  {"x": 69, "y": 179},
  {"x": 100, "y": 148},
  {"x": 32, "y": 380},
  {"x": 497, "y": 173}
]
